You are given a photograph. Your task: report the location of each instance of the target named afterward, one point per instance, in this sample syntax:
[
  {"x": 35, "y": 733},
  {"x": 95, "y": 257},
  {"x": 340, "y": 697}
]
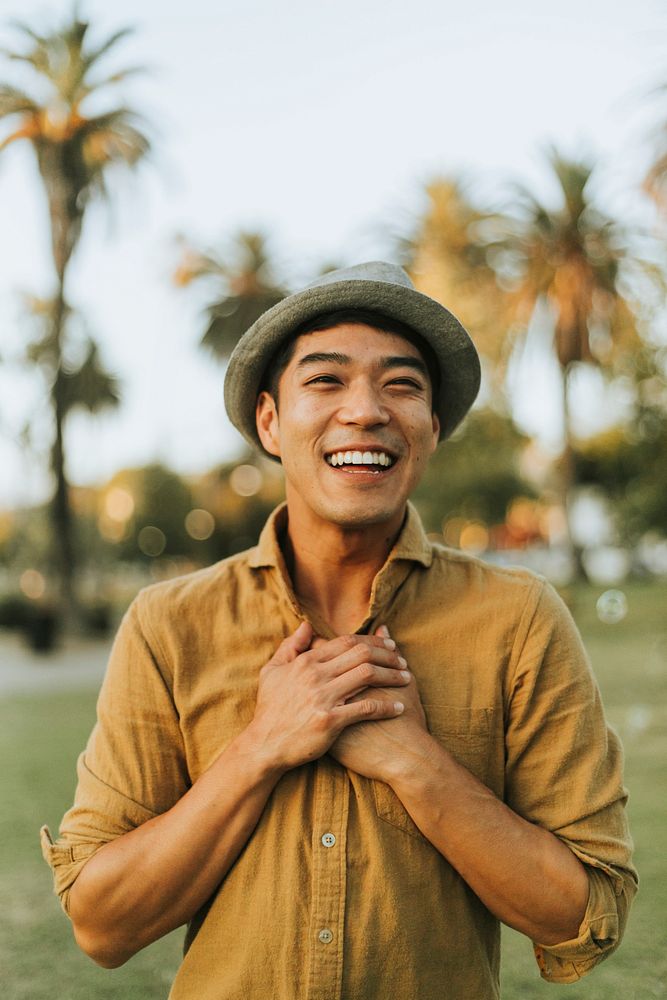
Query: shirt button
[
  {"x": 325, "y": 936},
  {"x": 328, "y": 840}
]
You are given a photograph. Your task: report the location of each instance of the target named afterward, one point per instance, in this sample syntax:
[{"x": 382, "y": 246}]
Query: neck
[{"x": 333, "y": 567}]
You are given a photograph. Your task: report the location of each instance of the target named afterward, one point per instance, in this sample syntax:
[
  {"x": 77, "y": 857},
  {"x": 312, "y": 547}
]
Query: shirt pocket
[{"x": 467, "y": 733}]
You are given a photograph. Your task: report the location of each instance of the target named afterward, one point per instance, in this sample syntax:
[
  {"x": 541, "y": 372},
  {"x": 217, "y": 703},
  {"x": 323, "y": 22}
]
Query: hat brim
[{"x": 454, "y": 350}]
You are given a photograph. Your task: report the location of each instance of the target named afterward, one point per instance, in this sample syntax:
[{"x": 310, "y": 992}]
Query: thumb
[{"x": 298, "y": 642}]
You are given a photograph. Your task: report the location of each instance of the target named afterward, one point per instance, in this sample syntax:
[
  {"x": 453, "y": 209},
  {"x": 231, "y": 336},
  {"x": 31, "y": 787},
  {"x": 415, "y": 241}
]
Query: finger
[
  {"x": 367, "y": 675},
  {"x": 296, "y": 643},
  {"x": 362, "y": 653},
  {"x": 382, "y": 631},
  {"x": 367, "y": 710},
  {"x": 329, "y": 649}
]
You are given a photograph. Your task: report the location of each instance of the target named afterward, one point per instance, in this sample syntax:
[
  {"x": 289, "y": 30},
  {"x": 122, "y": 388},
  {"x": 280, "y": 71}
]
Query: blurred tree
[
  {"x": 475, "y": 474},
  {"x": 243, "y": 287},
  {"x": 655, "y": 182},
  {"x": 75, "y": 149},
  {"x": 446, "y": 257},
  {"x": 630, "y": 462},
  {"x": 569, "y": 259},
  {"x": 162, "y": 501},
  {"x": 631, "y": 468}
]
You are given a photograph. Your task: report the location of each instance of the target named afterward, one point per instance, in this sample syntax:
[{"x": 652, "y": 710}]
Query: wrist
[
  {"x": 412, "y": 766},
  {"x": 258, "y": 754}
]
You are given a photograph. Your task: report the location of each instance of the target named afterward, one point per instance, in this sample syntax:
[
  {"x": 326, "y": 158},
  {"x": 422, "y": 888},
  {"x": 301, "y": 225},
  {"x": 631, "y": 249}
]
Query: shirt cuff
[
  {"x": 610, "y": 893},
  {"x": 66, "y": 860},
  {"x": 100, "y": 814}
]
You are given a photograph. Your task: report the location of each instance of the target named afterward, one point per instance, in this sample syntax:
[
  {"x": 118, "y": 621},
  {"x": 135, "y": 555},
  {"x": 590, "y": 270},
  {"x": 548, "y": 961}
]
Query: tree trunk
[
  {"x": 62, "y": 521},
  {"x": 568, "y": 478}
]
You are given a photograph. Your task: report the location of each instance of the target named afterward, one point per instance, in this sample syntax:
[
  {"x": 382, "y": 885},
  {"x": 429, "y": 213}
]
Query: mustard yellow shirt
[{"x": 337, "y": 895}]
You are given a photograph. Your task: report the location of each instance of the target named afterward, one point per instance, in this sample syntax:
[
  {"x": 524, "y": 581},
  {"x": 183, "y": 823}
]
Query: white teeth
[{"x": 339, "y": 458}]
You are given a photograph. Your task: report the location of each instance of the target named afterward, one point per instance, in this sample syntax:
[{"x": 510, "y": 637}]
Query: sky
[{"x": 319, "y": 125}]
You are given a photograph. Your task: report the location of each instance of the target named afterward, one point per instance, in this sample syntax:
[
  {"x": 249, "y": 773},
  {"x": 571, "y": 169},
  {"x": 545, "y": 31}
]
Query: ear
[
  {"x": 435, "y": 422},
  {"x": 268, "y": 425}
]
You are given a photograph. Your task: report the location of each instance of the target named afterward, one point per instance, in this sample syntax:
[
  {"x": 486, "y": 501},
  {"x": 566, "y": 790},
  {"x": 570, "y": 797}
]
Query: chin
[{"x": 362, "y": 515}]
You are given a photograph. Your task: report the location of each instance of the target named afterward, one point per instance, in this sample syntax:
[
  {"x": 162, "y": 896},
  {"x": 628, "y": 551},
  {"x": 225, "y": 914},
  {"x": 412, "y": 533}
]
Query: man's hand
[
  {"x": 142, "y": 885},
  {"x": 308, "y": 695},
  {"x": 382, "y": 749}
]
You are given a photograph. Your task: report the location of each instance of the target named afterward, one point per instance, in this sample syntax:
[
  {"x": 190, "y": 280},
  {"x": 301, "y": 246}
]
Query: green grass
[
  {"x": 40, "y": 738},
  {"x": 630, "y": 661},
  {"x": 41, "y": 735}
]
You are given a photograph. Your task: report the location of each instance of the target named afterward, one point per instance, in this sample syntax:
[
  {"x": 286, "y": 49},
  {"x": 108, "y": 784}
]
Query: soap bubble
[{"x": 612, "y": 607}]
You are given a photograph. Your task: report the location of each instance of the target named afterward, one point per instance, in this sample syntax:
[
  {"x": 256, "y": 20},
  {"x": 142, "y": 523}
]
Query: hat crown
[{"x": 372, "y": 270}]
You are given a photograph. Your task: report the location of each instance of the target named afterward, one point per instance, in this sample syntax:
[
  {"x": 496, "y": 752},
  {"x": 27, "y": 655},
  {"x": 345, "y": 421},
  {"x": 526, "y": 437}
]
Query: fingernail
[
  {"x": 384, "y": 630},
  {"x": 390, "y": 644},
  {"x": 405, "y": 674},
  {"x": 402, "y": 661},
  {"x": 399, "y": 706}
]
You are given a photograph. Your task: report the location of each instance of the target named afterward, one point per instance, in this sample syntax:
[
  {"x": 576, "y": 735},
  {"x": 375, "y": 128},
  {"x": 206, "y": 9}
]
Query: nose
[{"x": 362, "y": 406}]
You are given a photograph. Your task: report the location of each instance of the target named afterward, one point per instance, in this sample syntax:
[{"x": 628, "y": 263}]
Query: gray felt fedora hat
[{"x": 376, "y": 286}]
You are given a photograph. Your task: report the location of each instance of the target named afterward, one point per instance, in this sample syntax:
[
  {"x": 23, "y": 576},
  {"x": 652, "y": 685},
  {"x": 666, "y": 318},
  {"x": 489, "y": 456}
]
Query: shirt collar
[{"x": 411, "y": 545}]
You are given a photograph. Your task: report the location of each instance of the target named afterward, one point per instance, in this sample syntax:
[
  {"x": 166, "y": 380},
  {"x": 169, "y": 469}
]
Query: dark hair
[{"x": 324, "y": 321}]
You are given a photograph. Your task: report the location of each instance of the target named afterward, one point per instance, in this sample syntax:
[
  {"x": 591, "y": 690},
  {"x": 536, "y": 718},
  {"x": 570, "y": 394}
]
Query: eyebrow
[
  {"x": 316, "y": 357},
  {"x": 394, "y": 361}
]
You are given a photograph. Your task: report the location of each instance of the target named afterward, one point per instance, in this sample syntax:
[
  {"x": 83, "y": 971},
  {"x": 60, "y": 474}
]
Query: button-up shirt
[{"x": 337, "y": 895}]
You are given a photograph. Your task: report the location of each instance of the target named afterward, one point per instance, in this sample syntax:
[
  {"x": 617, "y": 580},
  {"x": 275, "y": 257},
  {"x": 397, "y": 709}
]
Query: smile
[{"x": 376, "y": 458}]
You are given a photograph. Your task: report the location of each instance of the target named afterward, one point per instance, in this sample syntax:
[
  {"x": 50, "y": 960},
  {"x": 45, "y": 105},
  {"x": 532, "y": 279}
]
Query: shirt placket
[{"x": 329, "y": 846}]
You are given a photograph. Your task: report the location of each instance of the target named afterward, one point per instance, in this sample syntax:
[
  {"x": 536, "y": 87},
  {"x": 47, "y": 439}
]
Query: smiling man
[{"x": 345, "y": 756}]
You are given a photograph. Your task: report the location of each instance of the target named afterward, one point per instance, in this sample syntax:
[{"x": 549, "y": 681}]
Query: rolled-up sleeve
[
  {"x": 564, "y": 771},
  {"x": 133, "y": 767},
  {"x": 610, "y": 896}
]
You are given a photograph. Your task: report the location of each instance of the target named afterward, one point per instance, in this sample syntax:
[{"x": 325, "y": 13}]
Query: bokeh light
[
  {"x": 451, "y": 530},
  {"x": 474, "y": 537},
  {"x": 246, "y": 480},
  {"x": 112, "y": 531},
  {"x": 151, "y": 541},
  {"x": 119, "y": 504},
  {"x": 199, "y": 524},
  {"x": 33, "y": 584}
]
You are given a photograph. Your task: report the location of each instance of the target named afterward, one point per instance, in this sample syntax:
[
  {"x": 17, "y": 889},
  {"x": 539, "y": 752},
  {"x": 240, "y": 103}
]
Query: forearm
[
  {"x": 524, "y": 874},
  {"x": 146, "y": 883}
]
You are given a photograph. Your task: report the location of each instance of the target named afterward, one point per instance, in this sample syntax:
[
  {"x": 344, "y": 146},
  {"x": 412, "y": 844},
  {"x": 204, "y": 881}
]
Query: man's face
[{"x": 355, "y": 426}]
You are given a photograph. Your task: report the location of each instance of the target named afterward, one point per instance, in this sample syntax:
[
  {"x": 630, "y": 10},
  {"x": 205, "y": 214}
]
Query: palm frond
[
  {"x": 14, "y": 101},
  {"x": 23, "y": 28},
  {"x": 112, "y": 139},
  {"x": 86, "y": 88},
  {"x": 230, "y": 318},
  {"x": 93, "y": 56},
  {"x": 37, "y": 58},
  {"x": 196, "y": 264},
  {"x": 90, "y": 386}
]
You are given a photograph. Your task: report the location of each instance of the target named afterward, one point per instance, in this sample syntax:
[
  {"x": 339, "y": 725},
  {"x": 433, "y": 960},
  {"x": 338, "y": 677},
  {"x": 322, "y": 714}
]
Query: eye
[
  {"x": 411, "y": 383},
  {"x": 323, "y": 379}
]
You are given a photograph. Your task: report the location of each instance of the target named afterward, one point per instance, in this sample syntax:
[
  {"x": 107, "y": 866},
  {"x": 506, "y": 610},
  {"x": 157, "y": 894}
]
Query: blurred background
[{"x": 166, "y": 176}]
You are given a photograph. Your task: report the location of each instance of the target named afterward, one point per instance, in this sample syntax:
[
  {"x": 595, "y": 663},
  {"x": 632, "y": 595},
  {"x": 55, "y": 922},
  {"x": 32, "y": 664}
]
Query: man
[{"x": 344, "y": 756}]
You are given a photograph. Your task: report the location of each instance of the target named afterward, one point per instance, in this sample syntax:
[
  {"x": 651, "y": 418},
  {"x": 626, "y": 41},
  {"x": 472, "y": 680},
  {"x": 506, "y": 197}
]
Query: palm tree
[
  {"x": 446, "y": 257},
  {"x": 243, "y": 287},
  {"x": 75, "y": 149},
  {"x": 569, "y": 258}
]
